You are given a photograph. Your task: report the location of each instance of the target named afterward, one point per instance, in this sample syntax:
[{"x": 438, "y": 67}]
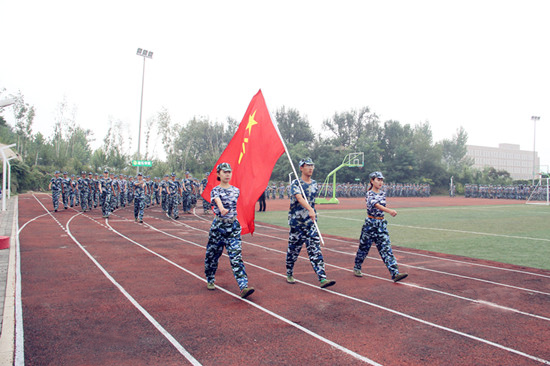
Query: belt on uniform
[
  {"x": 227, "y": 221},
  {"x": 376, "y": 217}
]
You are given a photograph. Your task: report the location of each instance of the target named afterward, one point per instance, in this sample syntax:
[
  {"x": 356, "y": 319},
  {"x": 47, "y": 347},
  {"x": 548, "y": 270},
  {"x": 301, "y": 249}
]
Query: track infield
[{"x": 115, "y": 292}]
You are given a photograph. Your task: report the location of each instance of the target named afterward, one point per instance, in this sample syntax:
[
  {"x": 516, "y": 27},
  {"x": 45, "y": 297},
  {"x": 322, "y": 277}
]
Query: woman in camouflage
[
  {"x": 225, "y": 232},
  {"x": 375, "y": 229}
]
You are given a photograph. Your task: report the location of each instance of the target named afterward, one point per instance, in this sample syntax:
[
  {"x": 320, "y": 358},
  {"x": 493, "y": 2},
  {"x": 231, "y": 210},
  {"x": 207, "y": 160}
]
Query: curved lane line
[
  {"x": 466, "y": 335},
  {"x": 355, "y": 243},
  {"x": 269, "y": 312},
  {"x": 151, "y": 319}
]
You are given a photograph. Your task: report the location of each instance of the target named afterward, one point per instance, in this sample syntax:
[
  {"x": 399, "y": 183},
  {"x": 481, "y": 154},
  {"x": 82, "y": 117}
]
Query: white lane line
[
  {"x": 269, "y": 312},
  {"x": 447, "y": 230},
  {"x": 482, "y": 340},
  {"x": 356, "y": 242},
  {"x": 433, "y": 270},
  {"x": 142, "y": 310},
  {"x": 487, "y": 303}
]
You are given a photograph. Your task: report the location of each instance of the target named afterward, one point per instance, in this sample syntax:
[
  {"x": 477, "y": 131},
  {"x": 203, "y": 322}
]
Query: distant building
[{"x": 519, "y": 163}]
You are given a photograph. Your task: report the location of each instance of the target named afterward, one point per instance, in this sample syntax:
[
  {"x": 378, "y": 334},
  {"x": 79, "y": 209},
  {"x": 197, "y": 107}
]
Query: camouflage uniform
[
  {"x": 225, "y": 232},
  {"x": 72, "y": 190},
  {"x": 123, "y": 183},
  {"x": 173, "y": 200},
  {"x": 187, "y": 186},
  {"x": 164, "y": 194},
  {"x": 96, "y": 190},
  {"x": 56, "y": 187},
  {"x": 66, "y": 182},
  {"x": 156, "y": 190},
  {"x": 130, "y": 193},
  {"x": 84, "y": 189},
  {"x": 106, "y": 185},
  {"x": 91, "y": 185},
  {"x": 205, "y": 203},
  {"x": 139, "y": 199},
  {"x": 302, "y": 230},
  {"x": 375, "y": 229},
  {"x": 113, "y": 202}
]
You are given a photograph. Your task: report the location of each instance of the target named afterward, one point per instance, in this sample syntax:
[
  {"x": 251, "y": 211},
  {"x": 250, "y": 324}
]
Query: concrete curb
[{"x": 7, "y": 337}]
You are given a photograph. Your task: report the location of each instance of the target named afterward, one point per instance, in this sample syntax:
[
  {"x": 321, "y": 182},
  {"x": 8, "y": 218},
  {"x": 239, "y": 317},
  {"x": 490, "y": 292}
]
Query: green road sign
[{"x": 142, "y": 163}]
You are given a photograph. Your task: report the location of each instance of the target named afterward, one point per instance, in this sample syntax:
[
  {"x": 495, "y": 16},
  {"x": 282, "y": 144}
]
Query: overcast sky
[{"x": 483, "y": 65}]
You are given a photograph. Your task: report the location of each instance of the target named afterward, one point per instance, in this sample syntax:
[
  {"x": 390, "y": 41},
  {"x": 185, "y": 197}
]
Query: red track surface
[{"x": 150, "y": 306}]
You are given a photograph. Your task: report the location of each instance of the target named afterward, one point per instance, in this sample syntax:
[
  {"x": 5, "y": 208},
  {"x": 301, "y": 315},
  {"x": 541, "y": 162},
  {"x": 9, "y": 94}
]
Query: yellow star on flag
[{"x": 251, "y": 122}]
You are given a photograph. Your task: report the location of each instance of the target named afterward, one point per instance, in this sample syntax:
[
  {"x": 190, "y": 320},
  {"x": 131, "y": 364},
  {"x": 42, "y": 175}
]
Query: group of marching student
[
  {"x": 225, "y": 230},
  {"x": 113, "y": 191}
]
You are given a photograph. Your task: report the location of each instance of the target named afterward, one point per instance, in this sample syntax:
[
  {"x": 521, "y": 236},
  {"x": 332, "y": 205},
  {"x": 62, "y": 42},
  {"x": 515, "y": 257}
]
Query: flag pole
[{"x": 274, "y": 121}]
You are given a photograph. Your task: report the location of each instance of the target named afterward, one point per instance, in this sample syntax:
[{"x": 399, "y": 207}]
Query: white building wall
[{"x": 509, "y": 157}]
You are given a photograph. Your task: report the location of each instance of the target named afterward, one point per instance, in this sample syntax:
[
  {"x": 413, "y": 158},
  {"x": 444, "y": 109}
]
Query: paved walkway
[{"x": 6, "y": 283}]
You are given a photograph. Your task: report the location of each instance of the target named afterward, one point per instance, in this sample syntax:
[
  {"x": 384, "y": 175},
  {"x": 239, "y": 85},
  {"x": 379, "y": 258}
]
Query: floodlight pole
[
  {"x": 145, "y": 54},
  {"x": 535, "y": 119}
]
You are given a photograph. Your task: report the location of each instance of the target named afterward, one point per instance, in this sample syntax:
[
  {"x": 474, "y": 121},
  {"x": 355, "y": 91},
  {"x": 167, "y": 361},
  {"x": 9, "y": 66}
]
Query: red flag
[{"x": 252, "y": 154}]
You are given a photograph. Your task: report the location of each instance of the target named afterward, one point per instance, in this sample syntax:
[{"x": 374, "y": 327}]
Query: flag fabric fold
[{"x": 252, "y": 154}]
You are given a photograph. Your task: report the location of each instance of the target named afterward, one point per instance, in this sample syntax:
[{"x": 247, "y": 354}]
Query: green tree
[
  {"x": 348, "y": 127},
  {"x": 454, "y": 151},
  {"x": 293, "y": 127}
]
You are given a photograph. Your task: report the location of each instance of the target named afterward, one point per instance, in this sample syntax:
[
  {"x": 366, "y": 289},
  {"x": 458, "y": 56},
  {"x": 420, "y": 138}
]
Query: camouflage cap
[
  {"x": 224, "y": 166},
  {"x": 306, "y": 161},
  {"x": 376, "y": 175}
]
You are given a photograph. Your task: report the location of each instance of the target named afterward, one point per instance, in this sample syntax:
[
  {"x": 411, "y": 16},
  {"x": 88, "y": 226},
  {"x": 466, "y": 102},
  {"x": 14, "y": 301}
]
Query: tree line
[{"x": 405, "y": 153}]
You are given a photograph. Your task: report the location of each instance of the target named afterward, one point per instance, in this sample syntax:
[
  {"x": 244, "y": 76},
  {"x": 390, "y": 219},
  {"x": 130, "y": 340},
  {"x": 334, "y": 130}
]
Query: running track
[{"x": 115, "y": 292}]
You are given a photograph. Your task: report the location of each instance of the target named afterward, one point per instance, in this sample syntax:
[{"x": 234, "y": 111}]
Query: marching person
[
  {"x": 91, "y": 186},
  {"x": 205, "y": 203},
  {"x": 66, "y": 182},
  {"x": 225, "y": 232},
  {"x": 84, "y": 189},
  {"x": 56, "y": 185},
  {"x": 72, "y": 191},
  {"x": 106, "y": 190},
  {"x": 301, "y": 219},
  {"x": 187, "y": 191},
  {"x": 375, "y": 229},
  {"x": 164, "y": 193},
  {"x": 174, "y": 190},
  {"x": 139, "y": 188}
]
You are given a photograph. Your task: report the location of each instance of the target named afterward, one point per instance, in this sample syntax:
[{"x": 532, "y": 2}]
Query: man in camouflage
[
  {"x": 187, "y": 191},
  {"x": 72, "y": 191},
  {"x": 56, "y": 185},
  {"x": 164, "y": 194},
  {"x": 106, "y": 190},
  {"x": 84, "y": 190},
  {"x": 301, "y": 219},
  {"x": 174, "y": 189},
  {"x": 66, "y": 182}
]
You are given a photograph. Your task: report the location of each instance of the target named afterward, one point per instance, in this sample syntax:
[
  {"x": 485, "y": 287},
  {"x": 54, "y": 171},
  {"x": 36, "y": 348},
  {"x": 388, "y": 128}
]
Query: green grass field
[{"x": 516, "y": 234}]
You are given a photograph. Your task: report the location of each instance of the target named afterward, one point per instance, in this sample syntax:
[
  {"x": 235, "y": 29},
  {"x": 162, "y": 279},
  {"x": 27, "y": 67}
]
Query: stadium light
[
  {"x": 6, "y": 102},
  {"x": 535, "y": 119},
  {"x": 145, "y": 54}
]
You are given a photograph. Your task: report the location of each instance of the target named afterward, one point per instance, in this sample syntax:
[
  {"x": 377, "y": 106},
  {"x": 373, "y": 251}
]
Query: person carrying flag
[
  {"x": 225, "y": 231},
  {"x": 301, "y": 219}
]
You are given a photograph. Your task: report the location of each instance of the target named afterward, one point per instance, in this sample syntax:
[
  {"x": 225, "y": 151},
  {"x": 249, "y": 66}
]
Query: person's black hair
[{"x": 370, "y": 185}]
